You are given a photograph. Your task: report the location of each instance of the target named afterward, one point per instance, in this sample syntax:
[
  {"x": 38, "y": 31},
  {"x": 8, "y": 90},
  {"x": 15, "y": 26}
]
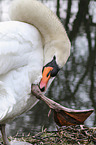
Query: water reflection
[{"x": 75, "y": 85}]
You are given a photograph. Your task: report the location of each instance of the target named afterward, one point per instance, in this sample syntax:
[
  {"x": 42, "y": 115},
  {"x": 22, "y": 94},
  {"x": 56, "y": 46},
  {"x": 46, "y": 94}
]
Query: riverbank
[{"x": 77, "y": 135}]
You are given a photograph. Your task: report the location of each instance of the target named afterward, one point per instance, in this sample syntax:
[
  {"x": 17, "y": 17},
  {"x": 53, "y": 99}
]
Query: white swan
[{"x": 33, "y": 43}]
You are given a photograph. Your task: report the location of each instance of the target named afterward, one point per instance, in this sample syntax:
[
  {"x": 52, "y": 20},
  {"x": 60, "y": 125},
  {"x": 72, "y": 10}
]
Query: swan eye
[{"x": 49, "y": 73}]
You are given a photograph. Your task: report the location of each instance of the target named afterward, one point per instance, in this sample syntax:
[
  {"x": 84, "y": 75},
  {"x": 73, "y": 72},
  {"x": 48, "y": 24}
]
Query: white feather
[{"x": 21, "y": 62}]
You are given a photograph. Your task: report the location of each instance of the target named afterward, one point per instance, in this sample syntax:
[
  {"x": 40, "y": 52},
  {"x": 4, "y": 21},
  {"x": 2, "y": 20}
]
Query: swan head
[
  {"x": 56, "y": 54},
  {"x": 49, "y": 70}
]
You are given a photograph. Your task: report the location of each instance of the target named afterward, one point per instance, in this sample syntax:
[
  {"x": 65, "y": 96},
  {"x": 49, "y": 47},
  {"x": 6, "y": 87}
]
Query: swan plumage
[
  {"x": 33, "y": 38},
  {"x": 18, "y": 51}
]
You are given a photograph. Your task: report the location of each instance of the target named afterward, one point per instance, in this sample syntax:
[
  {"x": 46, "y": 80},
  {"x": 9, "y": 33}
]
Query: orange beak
[{"x": 45, "y": 78}]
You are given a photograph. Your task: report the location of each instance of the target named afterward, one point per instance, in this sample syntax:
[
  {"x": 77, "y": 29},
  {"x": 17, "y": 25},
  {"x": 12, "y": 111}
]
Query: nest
[{"x": 77, "y": 135}]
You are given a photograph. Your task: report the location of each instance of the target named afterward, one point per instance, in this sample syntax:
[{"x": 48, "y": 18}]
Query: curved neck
[{"x": 35, "y": 13}]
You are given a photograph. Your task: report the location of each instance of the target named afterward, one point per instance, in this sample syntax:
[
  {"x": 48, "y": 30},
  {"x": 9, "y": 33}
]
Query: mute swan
[{"x": 33, "y": 48}]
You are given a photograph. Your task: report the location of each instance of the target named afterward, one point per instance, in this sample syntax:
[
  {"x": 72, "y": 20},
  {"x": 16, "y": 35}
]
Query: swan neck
[
  {"x": 52, "y": 31},
  {"x": 35, "y": 13}
]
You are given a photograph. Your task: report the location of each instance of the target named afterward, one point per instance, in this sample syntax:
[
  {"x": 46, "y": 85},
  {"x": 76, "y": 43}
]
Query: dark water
[{"x": 75, "y": 85}]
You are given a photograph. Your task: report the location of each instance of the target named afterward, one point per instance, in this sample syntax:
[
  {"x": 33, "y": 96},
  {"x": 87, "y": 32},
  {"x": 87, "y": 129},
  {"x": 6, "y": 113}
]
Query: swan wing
[{"x": 21, "y": 60}]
